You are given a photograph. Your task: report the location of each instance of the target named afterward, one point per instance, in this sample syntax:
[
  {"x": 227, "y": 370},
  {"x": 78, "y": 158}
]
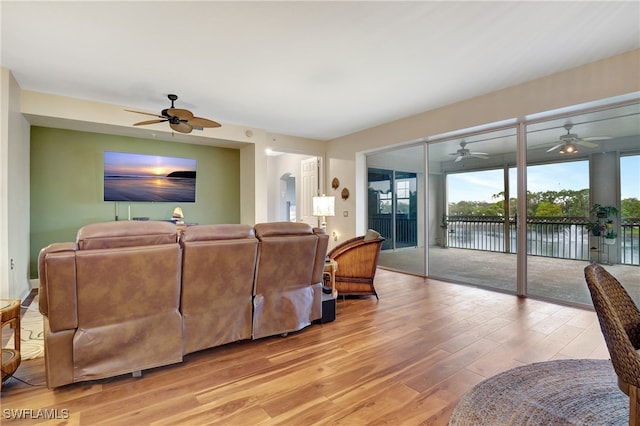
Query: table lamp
[
  {"x": 178, "y": 216},
  {"x": 324, "y": 206}
]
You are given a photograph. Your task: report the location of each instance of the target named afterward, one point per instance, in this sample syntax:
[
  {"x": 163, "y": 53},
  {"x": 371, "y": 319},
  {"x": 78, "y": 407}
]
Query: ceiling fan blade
[
  {"x": 182, "y": 114},
  {"x": 597, "y": 138},
  {"x": 142, "y": 123},
  {"x": 478, "y": 153},
  {"x": 555, "y": 147},
  {"x": 145, "y": 113},
  {"x": 587, "y": 144},
  {"x": 202, "y": 122},
  {"x": 460, "y": 157},
  {"x": 181, "y": 127}
]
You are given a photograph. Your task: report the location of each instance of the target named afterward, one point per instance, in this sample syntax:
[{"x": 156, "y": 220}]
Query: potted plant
[
  {"x": 595, "y": 228},
  {"x": 610, "y": 237},
  {"x": 444, "y": 225},
  {"x": 603, "y": 222},
  {"x": 602, "y": 212},
  {"x": 443, "y": 222}
]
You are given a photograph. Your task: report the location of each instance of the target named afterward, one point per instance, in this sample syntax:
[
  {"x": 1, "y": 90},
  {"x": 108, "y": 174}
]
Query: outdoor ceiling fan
[
  {"x": 569, "y": 141},
  {"x": 180, "y": 120},
  {"x": 463, "y": 153}
]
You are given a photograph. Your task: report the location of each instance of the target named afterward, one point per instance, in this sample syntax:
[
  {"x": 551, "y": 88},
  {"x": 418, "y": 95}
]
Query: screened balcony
[{"x": 441, "y": 203}]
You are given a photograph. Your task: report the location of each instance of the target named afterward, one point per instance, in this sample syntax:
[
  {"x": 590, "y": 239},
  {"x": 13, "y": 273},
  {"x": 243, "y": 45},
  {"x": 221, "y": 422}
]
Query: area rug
[
  {"x": 31, "y": 333},
  {"x": 561, "y": 392}
]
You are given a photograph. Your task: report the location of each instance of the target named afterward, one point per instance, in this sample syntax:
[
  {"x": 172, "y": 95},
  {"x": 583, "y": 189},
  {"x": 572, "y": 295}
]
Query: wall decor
[
  {"x": 150, "y": 178},
  {"x": 335, "y": 183},
  {"x": 345, "y": 194}
]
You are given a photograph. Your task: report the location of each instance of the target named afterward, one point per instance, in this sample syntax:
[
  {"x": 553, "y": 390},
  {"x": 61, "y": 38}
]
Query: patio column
[{"x": 605, "y": 190}]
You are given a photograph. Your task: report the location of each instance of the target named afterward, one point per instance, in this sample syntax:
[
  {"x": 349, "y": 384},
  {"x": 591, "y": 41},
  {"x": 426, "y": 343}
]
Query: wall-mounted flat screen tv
[{"x": 151, "y": 178}]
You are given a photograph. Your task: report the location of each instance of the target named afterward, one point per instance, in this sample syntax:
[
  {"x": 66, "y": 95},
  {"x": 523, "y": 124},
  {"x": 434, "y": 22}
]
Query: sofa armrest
[
  {"x": 321, "y": 254},
  {"x": 57, "y": 295}
]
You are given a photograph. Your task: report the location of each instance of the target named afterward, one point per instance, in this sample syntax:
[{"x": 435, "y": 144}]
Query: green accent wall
[{"x": 67, "y": 184}]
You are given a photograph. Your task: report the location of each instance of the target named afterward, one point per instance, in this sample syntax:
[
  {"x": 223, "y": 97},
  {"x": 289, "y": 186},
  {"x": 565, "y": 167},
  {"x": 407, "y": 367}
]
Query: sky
[
  {"x": 125, "y": 163},
  {"x": 480, "y": 186}
]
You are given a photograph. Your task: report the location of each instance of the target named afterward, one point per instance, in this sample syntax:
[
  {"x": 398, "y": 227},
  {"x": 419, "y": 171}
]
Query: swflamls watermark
[{"x": 35, "y": 413}]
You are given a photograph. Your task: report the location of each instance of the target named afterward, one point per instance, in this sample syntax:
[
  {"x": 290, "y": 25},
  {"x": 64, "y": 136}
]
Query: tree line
[{"x": 563, "y": 203}]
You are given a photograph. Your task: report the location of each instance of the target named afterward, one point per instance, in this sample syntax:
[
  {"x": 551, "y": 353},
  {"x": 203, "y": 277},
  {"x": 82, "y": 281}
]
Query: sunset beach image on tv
[{"x": 151, "y": 178}]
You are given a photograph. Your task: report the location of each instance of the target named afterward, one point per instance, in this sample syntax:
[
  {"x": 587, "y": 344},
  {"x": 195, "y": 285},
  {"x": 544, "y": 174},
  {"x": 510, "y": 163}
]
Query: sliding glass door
[
  {"x": 573, "y": 164},
  {"x": 629, "y": 235},
  {"x": 630, "y": 209},
  {"x": 395, "y": 206},
  {"x": 472, "y": 209}
]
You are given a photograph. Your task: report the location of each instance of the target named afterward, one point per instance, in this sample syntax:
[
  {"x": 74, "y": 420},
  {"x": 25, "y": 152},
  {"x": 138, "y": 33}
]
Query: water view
[{"x": 149, "y": 188}]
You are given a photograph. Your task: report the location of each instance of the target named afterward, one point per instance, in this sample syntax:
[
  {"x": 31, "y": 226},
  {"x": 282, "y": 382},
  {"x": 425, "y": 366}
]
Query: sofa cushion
[
  {"x": 271, "y": 229},
  {"x": 126, "y": 234},
  {"x": 216, "y": 232}
]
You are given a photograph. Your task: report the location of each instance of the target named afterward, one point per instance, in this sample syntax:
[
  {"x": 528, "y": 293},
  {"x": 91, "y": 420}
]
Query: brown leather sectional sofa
[{"x": 133, "y": 295}]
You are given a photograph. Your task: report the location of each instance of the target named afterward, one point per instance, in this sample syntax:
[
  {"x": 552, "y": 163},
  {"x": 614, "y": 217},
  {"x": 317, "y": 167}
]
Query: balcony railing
[
  {"x": 630, "y": 241},
  {"x": 406, "y": 230},
  {"x": 561, "y": 237}
]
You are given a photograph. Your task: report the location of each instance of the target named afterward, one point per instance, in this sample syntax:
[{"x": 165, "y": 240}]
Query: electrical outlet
[{"x": 13, "y": 264}]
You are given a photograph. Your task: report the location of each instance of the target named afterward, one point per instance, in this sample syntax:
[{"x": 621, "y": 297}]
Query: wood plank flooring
[{"x": 405, "y": 359}]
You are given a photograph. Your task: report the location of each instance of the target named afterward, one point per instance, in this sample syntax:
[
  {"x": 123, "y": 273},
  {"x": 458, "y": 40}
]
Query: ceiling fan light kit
[
  {"x": 568, "y": 143},
  {"x": 180, "y": 120},
  {"x": 569, "y": 148}
]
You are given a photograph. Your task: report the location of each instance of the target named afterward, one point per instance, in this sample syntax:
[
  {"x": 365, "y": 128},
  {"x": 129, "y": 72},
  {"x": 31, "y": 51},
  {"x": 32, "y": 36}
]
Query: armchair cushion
[{"x": 371, "y": 235}]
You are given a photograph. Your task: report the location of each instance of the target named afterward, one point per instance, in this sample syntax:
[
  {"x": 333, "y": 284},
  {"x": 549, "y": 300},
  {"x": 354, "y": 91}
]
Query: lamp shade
[
  {"x": 324, "y": 206},
  {"x": 177, "y": 213}
]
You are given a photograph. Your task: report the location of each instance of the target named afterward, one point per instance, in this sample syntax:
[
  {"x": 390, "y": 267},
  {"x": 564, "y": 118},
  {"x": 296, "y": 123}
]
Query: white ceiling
[{"x": 312, "y": 69}]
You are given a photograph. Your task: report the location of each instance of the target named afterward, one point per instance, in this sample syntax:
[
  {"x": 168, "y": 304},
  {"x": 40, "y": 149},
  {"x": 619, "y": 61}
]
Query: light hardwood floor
[{"x": 405, "y": 359}]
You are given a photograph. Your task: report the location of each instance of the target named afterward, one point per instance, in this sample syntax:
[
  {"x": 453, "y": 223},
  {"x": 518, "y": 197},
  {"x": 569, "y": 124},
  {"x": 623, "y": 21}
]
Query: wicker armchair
[
  {"x": 620, "y": 324},
  {"x": 357, "y": 262}
]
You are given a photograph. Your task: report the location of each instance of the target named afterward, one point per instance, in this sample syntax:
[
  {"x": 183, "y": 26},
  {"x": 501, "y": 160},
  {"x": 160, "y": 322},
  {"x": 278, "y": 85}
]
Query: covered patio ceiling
[{"x": 616, "y": 129}]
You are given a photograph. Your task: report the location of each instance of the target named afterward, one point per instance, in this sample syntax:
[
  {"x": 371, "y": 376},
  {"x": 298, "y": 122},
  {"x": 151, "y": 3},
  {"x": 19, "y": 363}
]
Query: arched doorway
[{"x": 288, "y": 201}]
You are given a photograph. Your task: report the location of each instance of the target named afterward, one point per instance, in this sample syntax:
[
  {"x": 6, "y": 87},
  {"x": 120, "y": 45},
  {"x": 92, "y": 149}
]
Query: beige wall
[
  {"x": 616, "y": 76},
  {"x": 14, "y": 191}
]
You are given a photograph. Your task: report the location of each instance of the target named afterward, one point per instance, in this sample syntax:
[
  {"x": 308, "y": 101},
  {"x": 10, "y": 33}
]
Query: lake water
[{"x": 149, "y": 189}]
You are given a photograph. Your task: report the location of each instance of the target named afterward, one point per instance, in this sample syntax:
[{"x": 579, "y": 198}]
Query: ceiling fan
[
  {"x": 180, "y": 120},
  {"x": 569, "y": 141},
  {"x": 463, "y": 153}
]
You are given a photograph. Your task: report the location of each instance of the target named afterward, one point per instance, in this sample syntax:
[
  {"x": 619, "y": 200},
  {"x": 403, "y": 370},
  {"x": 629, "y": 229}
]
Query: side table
[
  {"x": 329, "y": 301},
  {"x": 330, "y": 268},
  {"x": 10, "y": 315}
]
